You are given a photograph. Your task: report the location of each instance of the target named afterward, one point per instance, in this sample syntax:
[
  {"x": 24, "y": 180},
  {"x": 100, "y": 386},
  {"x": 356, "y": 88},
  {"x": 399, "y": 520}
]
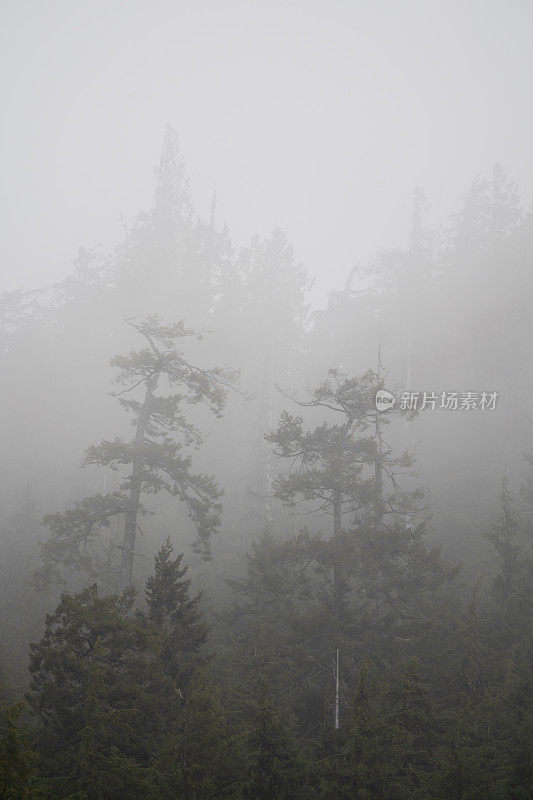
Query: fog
[
  {"x": 226, "y": 570},
  {"x": 319, "y": 118}
]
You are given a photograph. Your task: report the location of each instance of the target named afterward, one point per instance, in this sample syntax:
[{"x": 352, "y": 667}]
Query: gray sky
[{"x": 319, "y": 117}]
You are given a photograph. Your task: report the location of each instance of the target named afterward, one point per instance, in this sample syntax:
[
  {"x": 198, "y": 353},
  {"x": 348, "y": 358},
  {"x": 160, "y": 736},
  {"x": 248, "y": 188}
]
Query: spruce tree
[{"x": 176, "y": 615}]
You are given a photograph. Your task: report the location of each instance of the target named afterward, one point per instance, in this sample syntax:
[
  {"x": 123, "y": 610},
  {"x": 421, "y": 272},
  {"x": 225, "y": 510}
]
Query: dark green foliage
[
  {"x": 123, "y": 702},
  {"x": 176, "y": 616},
  {"x": 274, "y": 762},
  {"x": 90, "y": 689},
  {"x": 415, "y": 728},
  {"x": 367, "y": 750},
  {"x": 17, "y": 762},
  {"x": 196, "y": 759}
]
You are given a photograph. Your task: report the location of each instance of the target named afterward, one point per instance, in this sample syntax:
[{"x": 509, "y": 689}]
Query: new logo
[{"x": 384, "y": 400}]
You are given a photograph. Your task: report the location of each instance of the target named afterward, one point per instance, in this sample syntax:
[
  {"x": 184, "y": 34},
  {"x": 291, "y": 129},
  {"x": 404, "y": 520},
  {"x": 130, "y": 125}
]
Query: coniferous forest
[{"x": 255, "y": 548}]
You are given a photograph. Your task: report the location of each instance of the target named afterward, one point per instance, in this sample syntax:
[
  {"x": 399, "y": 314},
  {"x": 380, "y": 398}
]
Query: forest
[{"x": 227, "y": 571}]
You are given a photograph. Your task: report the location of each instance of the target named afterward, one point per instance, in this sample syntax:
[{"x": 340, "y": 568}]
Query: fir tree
[{"x": 176, "y": 615}]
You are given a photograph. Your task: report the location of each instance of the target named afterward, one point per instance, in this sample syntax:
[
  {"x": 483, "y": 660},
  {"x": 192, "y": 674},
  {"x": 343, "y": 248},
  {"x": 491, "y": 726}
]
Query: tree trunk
[
  {"x": 130, "y": 519},
  {"x": 378, "y": 479}
]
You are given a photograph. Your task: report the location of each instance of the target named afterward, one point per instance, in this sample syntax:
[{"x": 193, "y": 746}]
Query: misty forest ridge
[{"x": 266, "y": 509}]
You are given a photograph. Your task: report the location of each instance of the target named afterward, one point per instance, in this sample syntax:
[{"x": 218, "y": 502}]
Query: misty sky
[{"x": 319, "y": 117}]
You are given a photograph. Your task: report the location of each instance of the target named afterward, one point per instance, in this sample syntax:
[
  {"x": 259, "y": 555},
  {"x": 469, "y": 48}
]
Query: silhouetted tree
[{"x": 154, "y": 456}]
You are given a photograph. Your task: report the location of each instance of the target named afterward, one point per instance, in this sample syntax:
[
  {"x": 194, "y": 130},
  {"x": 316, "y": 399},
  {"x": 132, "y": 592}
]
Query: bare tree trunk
[{"x": 130, "y": 519}]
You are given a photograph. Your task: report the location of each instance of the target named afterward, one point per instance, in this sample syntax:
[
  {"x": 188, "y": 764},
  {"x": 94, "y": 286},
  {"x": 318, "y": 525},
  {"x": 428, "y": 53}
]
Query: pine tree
[
  {"x": 382, "y": 569},
  {"x": 155, "y": 456},
  {"x": 340, "y": 468}
]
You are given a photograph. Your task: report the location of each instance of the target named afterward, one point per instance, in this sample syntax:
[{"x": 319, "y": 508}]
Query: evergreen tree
[
  {"x": 17, "y": 760},
  {"x": 91, "y": 693},
  {"x": 176, "y": 615},
  {"x": 275, "y": 772},
  {"x": 415, "y": 732},
  {"x": 355, "y": 761},
  {"x": 504, "y": 538},
  {"x": 195, "y": 759},
  {"x": 154, "y": 456},
  {"x": 383, "y": 573},
  {"x": 341, "y": 468}
]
